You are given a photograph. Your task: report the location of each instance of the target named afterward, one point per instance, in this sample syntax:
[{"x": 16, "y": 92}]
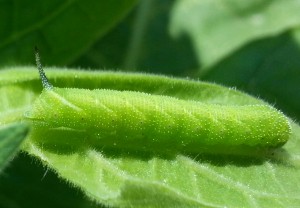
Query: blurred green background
[{"x": 250, "y": 45}]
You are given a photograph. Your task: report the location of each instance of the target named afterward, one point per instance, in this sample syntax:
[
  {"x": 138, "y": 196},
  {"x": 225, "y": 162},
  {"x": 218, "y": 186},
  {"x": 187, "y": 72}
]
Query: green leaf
[
  {"x": 220, "y": 27},
  {"x": 11, "y": 137},
  {"x": 63, "y": 30},
  {"x": 132, "y": 45},
  {"x": 159, "y": 182},
  {"x": 269, "y": 68},
  {"x": 26, "y": 183},
  {"x": 122, "y": 180}
]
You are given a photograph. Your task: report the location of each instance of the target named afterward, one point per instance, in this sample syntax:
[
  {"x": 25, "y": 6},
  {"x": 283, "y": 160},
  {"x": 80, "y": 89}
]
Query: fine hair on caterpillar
[{"x": 134, "y": 121}]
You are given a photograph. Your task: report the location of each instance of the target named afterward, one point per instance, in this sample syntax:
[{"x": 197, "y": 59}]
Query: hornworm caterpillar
[{"x": 137, "y": 121}]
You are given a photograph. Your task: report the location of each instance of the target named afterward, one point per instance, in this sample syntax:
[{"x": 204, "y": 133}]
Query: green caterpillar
[{"x": 136, "y": 121}]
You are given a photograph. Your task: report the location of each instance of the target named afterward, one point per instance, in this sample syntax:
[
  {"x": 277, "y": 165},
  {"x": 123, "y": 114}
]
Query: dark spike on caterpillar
[{"x": 45, "y": 82}]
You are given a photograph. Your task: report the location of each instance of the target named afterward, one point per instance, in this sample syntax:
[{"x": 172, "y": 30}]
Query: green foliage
[
  {"x": 251, "y": 45},
  {"x": 11, "y": 136},
  {"x": 26, "y": 183},
  {"x": 231, "y": 24},
  {"x": 62, "y": 29},
  {"x": 120, "y": 177}
]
